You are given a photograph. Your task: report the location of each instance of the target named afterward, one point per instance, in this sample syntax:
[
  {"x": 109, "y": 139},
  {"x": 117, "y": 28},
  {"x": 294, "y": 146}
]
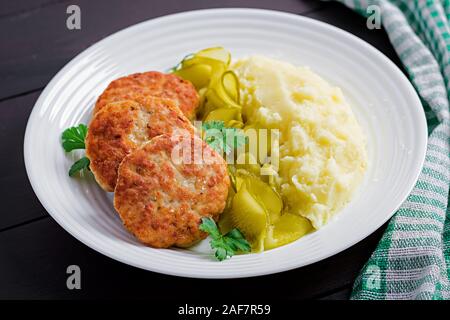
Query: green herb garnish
[
  {"x": 73, "y": 138},
  {"x": 225, "y": 245},
  {"x": 223, "y": 139},
  {"x": 79, "y": 165}
]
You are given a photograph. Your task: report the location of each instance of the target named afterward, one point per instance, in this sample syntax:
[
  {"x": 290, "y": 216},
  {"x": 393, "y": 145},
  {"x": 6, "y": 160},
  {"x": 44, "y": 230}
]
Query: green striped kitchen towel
[{"x": 412, "y": 260}]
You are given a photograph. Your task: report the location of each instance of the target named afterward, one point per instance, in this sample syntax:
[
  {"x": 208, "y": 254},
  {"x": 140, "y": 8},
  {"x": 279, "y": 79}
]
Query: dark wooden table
[{"x": 34, "y": 250}]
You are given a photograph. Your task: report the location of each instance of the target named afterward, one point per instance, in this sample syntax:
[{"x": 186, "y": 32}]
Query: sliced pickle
[
  {"x": 229, "y": 203},
  {"x": 230, "y": 83},
  {"x": 255, "y": 208},
  {"x": 235, "y": 124},
  {"x": 265, "y": 195},
  {"x": 268, "y": 174},
  {"x": 218, "y": 87},
  {"x": 239, "y": 181},
  {"x": 219, "y": 98},
  {"x": 216, "y": 53},
  {"x": 225, "y": 221},
  {"x": 249, "y": 126},
  {"x": 223, "y": 114},
  {"x": 198, "y": 74},
  {"x": 213, "y": 102},
  {"x": 232, "y": 175},
  {"x": 225, "y": 93},
  {"x": 261, "y": 141},
  {"x": 216, "y": 66},
  {"x": 242, "y": 173},
  {"x": 228, "y": 89},
  {"x": 249, "y": 216},
  {"x": 287, "y": 229},
  {"x": 201, "y": 104},
  {"x": 248, "y": 162},
  {"x": 258, "y": 244}
]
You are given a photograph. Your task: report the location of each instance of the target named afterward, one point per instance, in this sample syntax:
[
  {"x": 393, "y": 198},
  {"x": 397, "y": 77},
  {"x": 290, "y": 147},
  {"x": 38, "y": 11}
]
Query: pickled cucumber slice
[
  {"x": 255, "y": 208},
  {"x": 287, "y": 229},
  {"x": 239, "y": 182},
  {"x": 216, "y": 53},
  {"x": 223, "y": 114},
  {"x": 265, "y": 195},
  {"x": 230, "y": 83},
  {"x": 249, "y": 217},
  {"x": 198, "y": 74},
  {"x": 232, "y": 175},
  {"x": 260, "y": 142},
  {"x": 218, "y": 87},
  {"x": 248, "y": 162},
  {"x": 225, "y": 222},
  {"x": 218, "y": 97},
  {"x": 268, "y": 174},
  {"x": 235, "y": 124},
  {"x": 217, "y": 67}
]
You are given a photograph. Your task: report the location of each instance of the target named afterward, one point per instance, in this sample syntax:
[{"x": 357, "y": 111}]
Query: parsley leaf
[
  {"x": 209, "y": 225},
  {"x": 225, "y": 245},
  {"x": 221, "y": 254},
  {"x": 73, "y": 138},
  {"x": 221, "y": 138},
  {"x": 235, "y": 239},
  {"x": 79, "y": 165}
]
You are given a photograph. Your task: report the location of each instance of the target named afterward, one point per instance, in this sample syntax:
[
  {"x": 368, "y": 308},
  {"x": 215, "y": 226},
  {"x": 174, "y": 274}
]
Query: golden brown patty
[
  {"x": 121, "y": 127},
  {"x": 153, "y": 83},
  {"x": 161, "y": 201}
]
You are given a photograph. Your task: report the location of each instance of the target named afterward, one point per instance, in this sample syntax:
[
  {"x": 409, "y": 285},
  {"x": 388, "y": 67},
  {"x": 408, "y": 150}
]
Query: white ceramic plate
[{"x": 382, "y": 98}]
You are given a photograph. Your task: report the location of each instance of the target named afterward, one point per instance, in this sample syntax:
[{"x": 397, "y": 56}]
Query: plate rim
[{"x": 187, "y": 272}]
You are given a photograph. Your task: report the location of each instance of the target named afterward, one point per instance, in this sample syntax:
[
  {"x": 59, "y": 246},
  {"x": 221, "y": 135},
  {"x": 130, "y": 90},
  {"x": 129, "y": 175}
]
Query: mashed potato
[{"x": 322, "y": 156}]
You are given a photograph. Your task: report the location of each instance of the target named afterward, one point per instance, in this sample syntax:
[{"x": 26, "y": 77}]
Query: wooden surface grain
[{"x": 34, "y": 250}]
